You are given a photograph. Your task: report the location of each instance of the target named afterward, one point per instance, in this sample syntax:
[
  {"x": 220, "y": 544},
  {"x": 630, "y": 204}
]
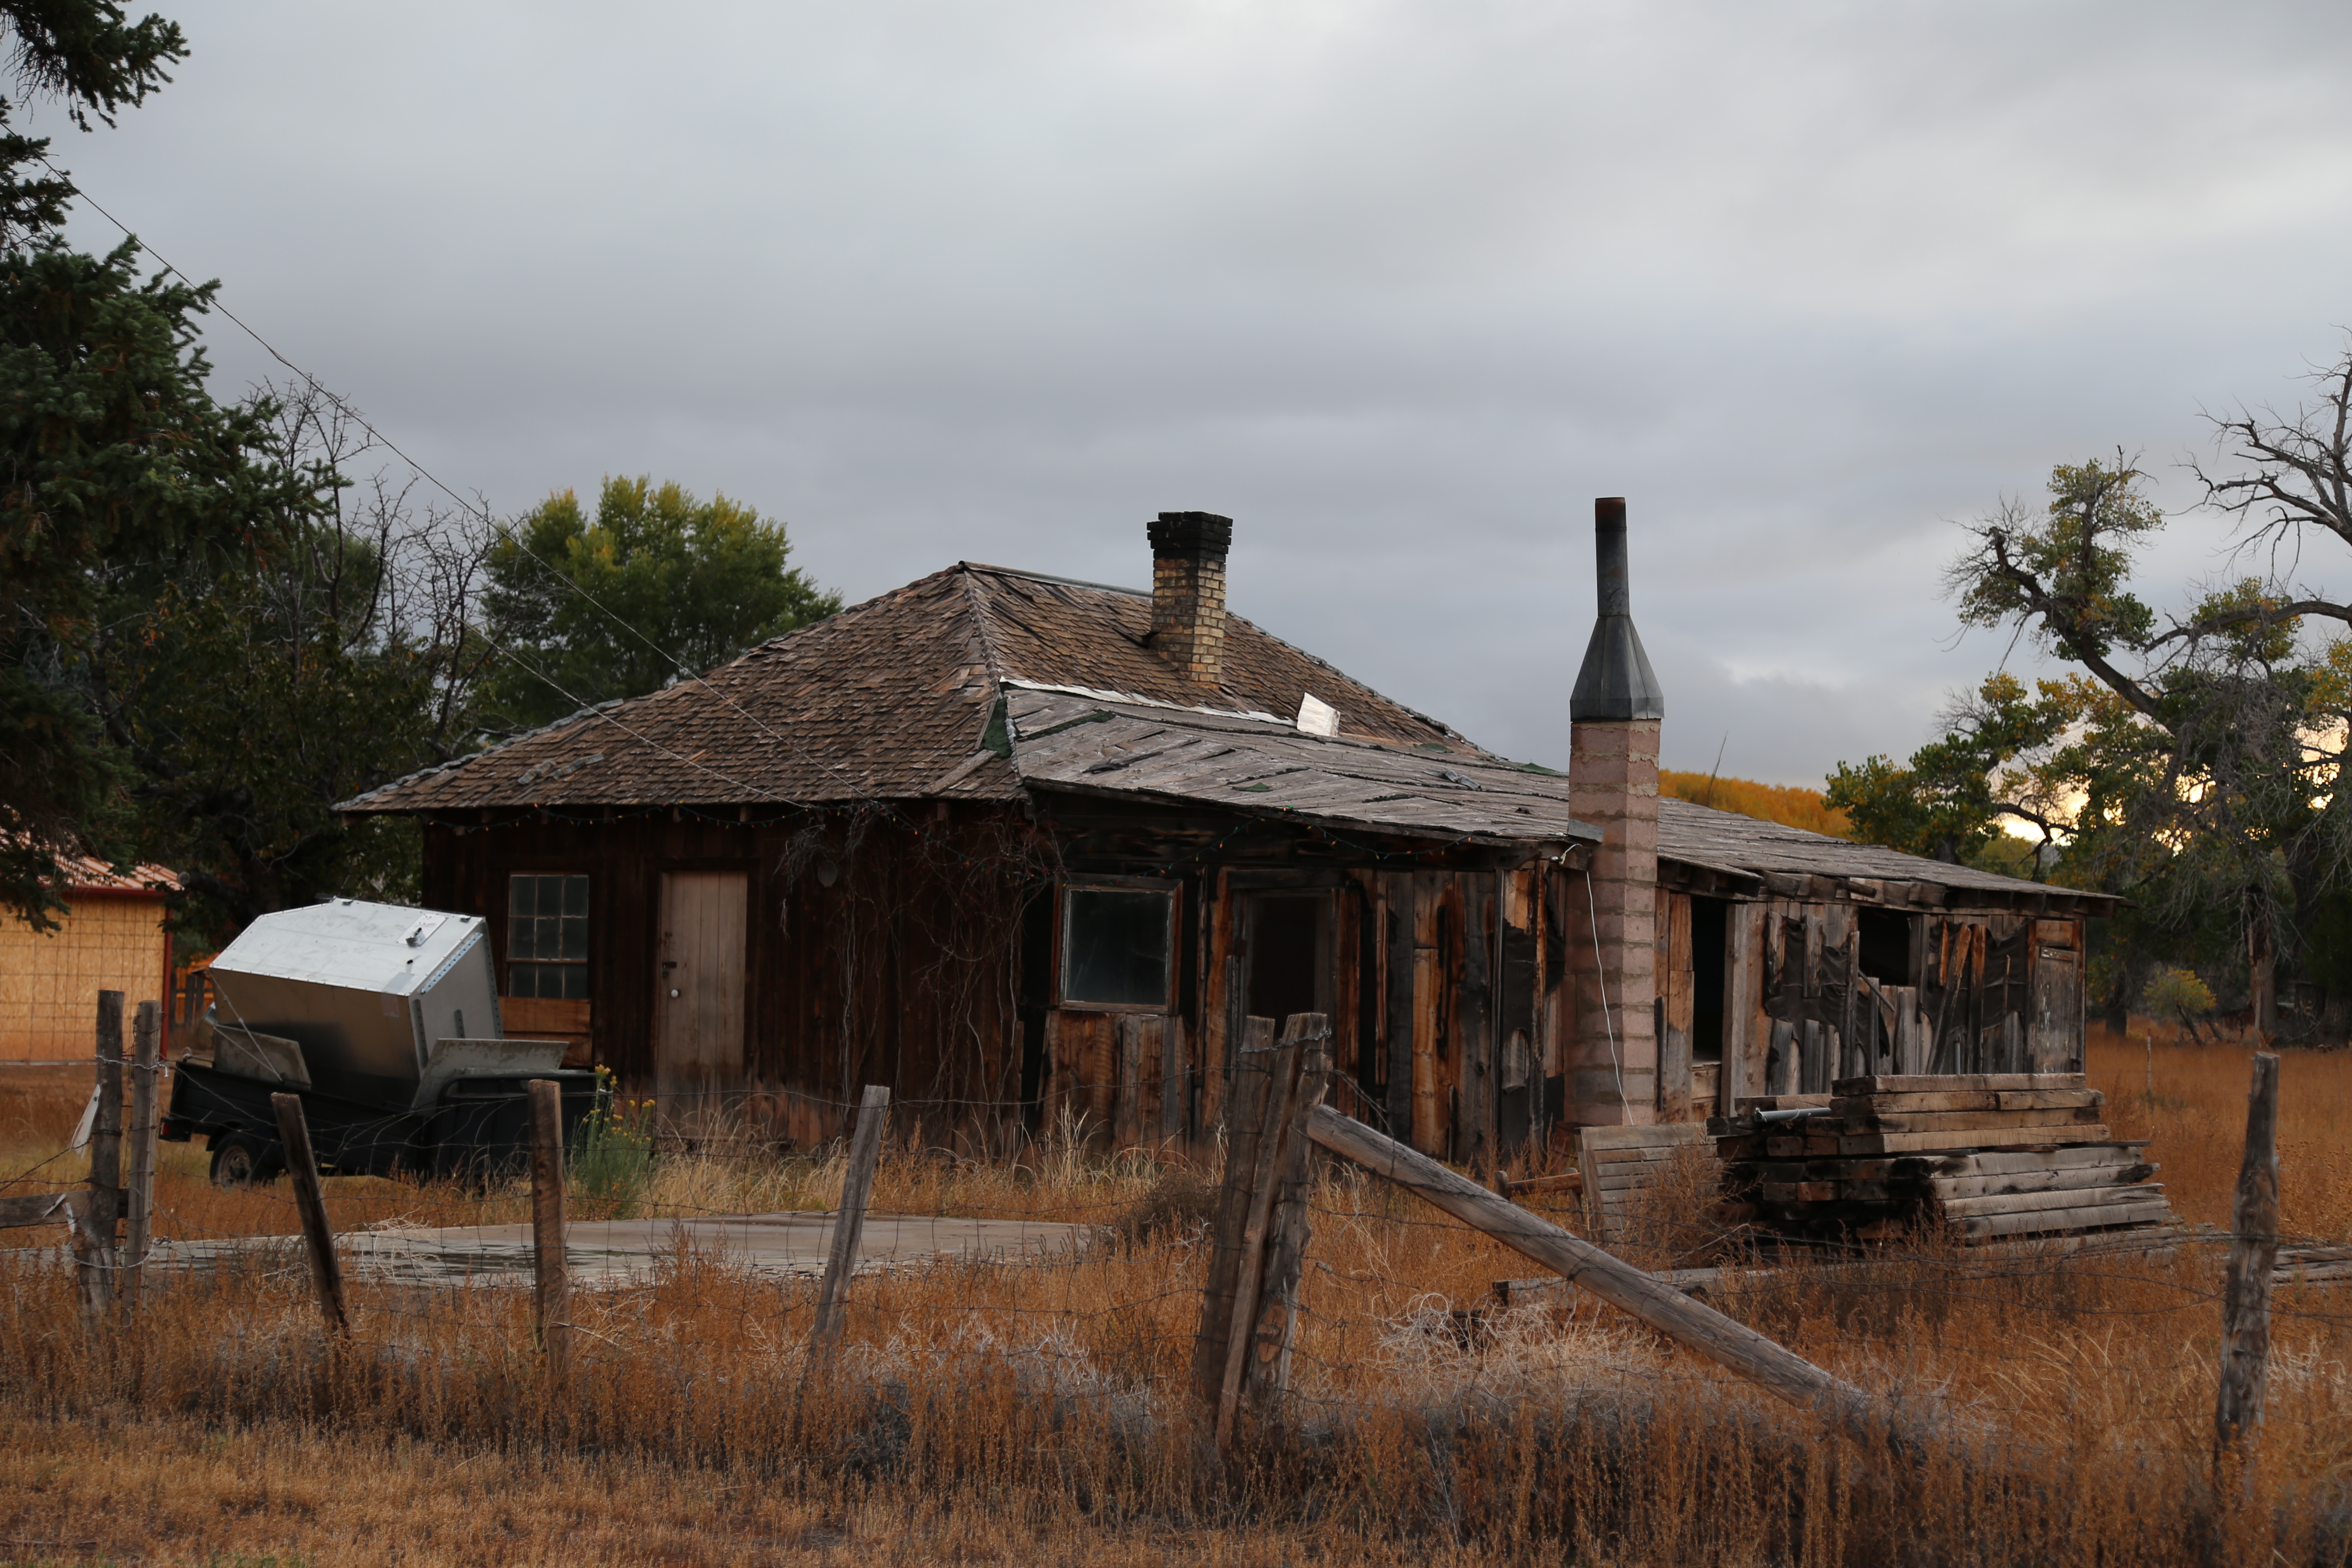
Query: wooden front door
[
  {"x": 2055, "y": 1029},
  {"x": 699, "y": 963}
]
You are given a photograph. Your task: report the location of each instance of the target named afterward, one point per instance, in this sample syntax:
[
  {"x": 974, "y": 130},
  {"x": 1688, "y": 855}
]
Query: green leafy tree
[
  {"x": 1948, "y": 802},
  {"x": 658, "y": 586},
  {"x": 2193, "y": 765},
  {"x": 113, "y": 449},
  {"x": 254, "y": 691}
]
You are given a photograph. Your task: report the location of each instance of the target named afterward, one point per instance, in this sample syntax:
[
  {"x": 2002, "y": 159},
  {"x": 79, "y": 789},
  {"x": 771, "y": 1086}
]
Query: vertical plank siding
[
  {"x": 874, "y": 952},
  {"x": 887, "y": 947}
]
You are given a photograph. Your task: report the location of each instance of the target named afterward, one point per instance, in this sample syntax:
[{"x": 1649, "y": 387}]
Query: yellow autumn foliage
[{"x": 1792, "y": 805}]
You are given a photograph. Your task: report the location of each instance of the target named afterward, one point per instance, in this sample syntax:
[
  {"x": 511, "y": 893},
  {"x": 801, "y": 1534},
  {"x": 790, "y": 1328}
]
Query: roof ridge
[{"x": 1051, "y": 577}]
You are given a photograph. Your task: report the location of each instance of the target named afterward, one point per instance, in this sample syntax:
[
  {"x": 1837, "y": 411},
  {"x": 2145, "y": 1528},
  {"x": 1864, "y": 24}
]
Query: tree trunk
[{"x": 2261, "y": 964}]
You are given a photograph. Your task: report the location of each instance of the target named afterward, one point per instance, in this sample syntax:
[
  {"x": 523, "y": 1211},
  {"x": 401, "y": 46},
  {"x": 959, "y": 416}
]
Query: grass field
[{"x": 1040, "y": 1415}]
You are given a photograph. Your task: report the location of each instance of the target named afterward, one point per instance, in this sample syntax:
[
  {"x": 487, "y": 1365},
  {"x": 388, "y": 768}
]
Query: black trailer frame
[{"x": 478, "y": 1129}]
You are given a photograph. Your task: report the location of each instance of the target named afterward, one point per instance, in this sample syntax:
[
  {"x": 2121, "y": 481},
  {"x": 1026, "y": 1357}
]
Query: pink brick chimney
[{"x": 1612, "y": 780}]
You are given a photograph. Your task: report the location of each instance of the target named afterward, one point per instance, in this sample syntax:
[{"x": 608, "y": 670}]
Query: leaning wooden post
[
  {"x": 1258, "y": 1365},
  {"x": 2253, "y": 1253},
  {"x": 1244, "y": 1114},
  {"x": 1262, "y": 1174},
  {"x": 849, "y": 1223},
  {"x": 106, "y": 1151},
  {"x": 310, "y": 1202},
  {"x": 549, "y": 1267},
  {"x": 1779, "y": 1371},
  {"x": 146, "y": 1068}
]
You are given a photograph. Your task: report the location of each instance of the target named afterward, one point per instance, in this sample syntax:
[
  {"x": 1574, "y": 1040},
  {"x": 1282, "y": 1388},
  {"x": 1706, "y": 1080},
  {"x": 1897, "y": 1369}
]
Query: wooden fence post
[
  {"x": 146, "y": 1069},
  {"x": 1251, "y": 1056},
  {"x": 105, "y": 1154},
  {"x": 849, "y": 1223},
  {"x": 2253, "y": 1253},
  {"x": 310, "y": 1202},
  {"x": 1241, "y": 1358},
  {"x": 1778, "y": 1370},
  {"x": 1265, "y": 1357},
  {"x": 550, "y": 1269}
]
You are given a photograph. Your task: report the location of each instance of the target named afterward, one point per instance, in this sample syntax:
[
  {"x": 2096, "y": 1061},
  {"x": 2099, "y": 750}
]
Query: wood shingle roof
[
  {"x": 984, "y": 683},
  {"x": 889, "y": 699}
]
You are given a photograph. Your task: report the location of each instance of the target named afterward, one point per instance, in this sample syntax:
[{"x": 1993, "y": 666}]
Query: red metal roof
[{"x": 88, "y": 874}]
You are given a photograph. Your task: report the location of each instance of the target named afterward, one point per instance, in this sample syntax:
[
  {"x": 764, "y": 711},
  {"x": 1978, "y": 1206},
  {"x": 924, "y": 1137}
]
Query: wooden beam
[
  {"x": 1732, "y": 1345},
  {"x": 33, "y": 1208}
]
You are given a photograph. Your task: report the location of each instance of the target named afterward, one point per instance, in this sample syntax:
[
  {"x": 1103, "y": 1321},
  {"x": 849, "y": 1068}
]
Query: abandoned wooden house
[{"x": 1027, "y": 848}]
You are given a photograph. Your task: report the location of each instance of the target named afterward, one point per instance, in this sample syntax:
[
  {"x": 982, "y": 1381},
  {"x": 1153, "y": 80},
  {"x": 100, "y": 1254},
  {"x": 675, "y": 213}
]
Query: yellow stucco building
[{"x": 111, "y": 938}]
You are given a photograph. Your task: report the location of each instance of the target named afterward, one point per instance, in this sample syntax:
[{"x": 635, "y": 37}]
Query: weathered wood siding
[
  {"x": 878, "y": 949},
  {"x": 916, "y": 948}
]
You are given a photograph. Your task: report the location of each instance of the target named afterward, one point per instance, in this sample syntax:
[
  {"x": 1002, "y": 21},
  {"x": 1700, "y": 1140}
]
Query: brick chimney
[
  {"x": 1188, "y": 593},
  {"x": 1612, "y": 783}
]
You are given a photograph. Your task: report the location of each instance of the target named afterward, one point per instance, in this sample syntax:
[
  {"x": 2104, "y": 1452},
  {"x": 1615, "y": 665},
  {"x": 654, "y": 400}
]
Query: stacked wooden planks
[
  {"x": 1988, "y": 1155},
  {"x": 1618, "y": 1163},
  {"x": 2313, "y": 1264}
]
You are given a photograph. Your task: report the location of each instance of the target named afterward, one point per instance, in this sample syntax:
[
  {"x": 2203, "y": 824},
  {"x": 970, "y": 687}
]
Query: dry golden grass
[{"x": 1040, "y": 1414}]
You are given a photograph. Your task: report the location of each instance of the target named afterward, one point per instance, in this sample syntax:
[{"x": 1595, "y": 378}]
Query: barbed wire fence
[{"x": 1272, "y": 1283}]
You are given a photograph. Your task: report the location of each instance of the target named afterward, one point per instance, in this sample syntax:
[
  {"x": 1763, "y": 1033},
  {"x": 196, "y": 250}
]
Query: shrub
[
  {"x": 2178, "y": 993},
  {"x": 613, "y": 1157}
]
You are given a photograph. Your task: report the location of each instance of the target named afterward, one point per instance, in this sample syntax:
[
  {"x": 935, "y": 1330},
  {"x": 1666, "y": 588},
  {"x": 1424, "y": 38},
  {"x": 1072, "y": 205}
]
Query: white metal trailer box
[{"x": 366, "y": 990}]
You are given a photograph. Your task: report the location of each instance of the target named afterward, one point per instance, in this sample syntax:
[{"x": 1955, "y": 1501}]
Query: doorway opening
[
  {"x": 1710, "y": 952},
  {"x": 1288, "y": 943}
]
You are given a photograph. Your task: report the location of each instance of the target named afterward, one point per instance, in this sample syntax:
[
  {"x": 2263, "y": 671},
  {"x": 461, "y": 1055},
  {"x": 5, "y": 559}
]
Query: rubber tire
[{"x": 241, "y": 1160}]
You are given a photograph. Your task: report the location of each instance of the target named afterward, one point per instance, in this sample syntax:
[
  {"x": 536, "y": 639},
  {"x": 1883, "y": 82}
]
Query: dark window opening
[
  {"x": 547, "y": 937},
  {"x": 1885, "y": 946},
  {"x": 1116, "y": 946},
  {"x": 1710, "y": 952}
]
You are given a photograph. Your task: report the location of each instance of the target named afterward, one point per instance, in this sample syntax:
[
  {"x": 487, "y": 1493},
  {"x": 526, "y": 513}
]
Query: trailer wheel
[{"x": 241, "y": 1160}]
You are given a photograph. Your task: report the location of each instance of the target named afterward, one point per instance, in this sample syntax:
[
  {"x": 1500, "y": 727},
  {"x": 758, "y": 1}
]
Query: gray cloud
[{"x": 1400, "y": 287}]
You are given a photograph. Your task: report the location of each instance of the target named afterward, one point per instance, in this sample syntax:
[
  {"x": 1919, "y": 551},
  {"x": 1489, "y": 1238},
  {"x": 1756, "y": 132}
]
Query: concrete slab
[{"x": 618, "y": 1252}]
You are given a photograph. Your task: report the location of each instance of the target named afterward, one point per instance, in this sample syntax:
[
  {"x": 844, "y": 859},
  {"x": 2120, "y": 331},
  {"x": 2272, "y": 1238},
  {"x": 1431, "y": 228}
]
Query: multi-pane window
[
  {"x": 1117, "y": 946},
  {"x": 547, "y": 937}
]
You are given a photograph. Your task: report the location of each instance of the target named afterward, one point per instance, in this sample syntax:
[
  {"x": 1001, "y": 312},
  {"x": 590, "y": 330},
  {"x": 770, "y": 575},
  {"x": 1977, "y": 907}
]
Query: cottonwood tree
[{"x": 2194, "y": 762}]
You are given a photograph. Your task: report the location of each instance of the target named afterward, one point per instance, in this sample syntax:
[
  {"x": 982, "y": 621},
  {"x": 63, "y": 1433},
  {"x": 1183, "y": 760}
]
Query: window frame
[
  {"x": 1174, "y": 892},
  {"x": 584, "y": 964}
]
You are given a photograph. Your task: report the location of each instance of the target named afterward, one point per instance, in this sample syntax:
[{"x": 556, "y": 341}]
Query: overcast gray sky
[{"x": 1399, "y": 287}]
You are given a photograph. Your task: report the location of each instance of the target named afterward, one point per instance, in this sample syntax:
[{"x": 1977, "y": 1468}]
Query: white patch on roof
[
  {"x": 1132, "y": 701},
  {"x": 1316, "y": 716}
]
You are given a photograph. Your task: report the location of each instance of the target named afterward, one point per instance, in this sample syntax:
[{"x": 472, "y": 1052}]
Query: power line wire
[{"x": 476, "y": 506}]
